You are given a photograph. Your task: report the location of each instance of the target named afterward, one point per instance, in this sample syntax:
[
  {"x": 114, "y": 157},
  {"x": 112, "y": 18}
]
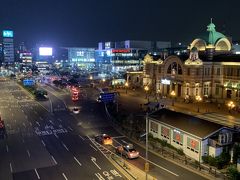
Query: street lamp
[
  {"x": 173, "y": 94},
  {"x": 126, "y": 86},
  {"x": 146, "y": 88},
  {"x": 146, "y": 152},
  {"x": 231, "y": 105},
  {"x": 198, "y": 99}
]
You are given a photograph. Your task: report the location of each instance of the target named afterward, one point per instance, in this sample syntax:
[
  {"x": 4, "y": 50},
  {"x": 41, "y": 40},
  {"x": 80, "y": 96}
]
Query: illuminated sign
[
  {"x": 121, "y": 51},
  {"x": 7, "y": 34},
  {"x": 165, "y": 81},
  {"x": 45, "y": 51}
]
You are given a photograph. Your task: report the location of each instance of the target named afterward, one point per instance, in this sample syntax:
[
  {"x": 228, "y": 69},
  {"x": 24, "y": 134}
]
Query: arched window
[{"x": 174, "y": 67}]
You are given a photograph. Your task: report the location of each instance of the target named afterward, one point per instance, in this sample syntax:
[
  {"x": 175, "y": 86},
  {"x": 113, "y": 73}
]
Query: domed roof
[{"x": 213, "y": 35}]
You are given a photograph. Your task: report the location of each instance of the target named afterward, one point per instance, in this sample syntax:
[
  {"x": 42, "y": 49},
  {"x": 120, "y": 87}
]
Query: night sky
[{"x": 86, "y": 22}]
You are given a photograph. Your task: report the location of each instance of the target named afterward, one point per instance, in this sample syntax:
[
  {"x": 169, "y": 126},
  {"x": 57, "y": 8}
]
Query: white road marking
[
  {"x": 77, "y": 161},
  {"x": 38, "y": 123},
  {"x": 70, "y": 128},
  {"x": 30, "y": 123},
  {"x": 116, "y": 137},
  {"x": 24, "y": 124},
  {"x": 55, "y": 135},
  {"x": 37, "y": 173},
  {"x": 99, "y": 176},
  {"x": 93, "y": 159},
  {"x": 124, "y": 141},
  {"x": 65, "y": 177},
  {"x": 11, "y": 167},
  {"x": 65, "y": 146},
  {"x": 7, "y": 148},
  {"x": 59, "y": 119},
  {"x": 51, "y": 122},
  {"x": 54, "y": 160},
  {"x": 43, "y": 143},
  {"x": 81, "y": 137},
  {"x": 29, "y": 155},
  {"x": 161, "y": 167},
  {"x": 41, "y": 118},
  {"x": 93, "y": 147}
]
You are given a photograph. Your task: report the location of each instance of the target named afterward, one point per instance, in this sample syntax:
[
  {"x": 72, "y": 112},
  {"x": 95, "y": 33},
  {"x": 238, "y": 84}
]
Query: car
[
  {"x": 76, "y": 110},
  {"x": 127, "y": 151},
  {"x": 104, "y": 139}
]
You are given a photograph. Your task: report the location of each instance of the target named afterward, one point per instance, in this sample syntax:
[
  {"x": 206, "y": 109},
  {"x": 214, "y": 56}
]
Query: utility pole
[{"x": 146, "y": 155}]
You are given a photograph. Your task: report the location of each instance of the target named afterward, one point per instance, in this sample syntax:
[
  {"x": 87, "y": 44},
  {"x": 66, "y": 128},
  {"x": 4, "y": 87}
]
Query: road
[
  {"x": 92, "y": 121},
  {"x": 45, "y": 145}
]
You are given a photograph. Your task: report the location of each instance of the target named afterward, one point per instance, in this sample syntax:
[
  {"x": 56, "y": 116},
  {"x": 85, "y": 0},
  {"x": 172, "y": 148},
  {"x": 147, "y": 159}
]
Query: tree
[
  {"x": 236, "y": 153},
  {"x": 233, "y": 173}
]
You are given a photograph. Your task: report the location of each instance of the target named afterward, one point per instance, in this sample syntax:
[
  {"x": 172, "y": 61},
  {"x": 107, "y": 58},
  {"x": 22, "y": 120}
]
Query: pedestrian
[{"x": 218, "y": 106}]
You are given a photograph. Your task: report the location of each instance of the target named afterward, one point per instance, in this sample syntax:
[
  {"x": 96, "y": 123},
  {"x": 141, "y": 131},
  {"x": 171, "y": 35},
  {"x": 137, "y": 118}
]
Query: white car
[{"x": 76, "y": 110}]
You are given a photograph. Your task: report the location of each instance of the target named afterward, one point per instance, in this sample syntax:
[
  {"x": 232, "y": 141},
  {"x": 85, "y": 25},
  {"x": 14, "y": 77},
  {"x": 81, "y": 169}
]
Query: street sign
[
  {"x": 107, "y": 97},
  {"x": 28, "y": 82}
]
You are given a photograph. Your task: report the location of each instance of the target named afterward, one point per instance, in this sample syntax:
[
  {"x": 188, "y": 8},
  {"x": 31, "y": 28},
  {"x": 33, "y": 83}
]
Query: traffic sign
[
  {"x": 107, "y": 97},
  {"x": 28, "y": 82}
]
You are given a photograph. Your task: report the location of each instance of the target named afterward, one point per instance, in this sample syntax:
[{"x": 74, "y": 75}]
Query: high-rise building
[{"x": 8, "y": 47}]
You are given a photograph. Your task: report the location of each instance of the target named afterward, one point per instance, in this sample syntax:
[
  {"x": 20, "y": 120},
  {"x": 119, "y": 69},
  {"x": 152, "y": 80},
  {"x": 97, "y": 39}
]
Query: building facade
[
  {"x": 209, "y": 69},
  {"x": 8, "y": 47},
  {"x": 125, "y": 55},
  {"x": 195, "y": 136},
  {"x": 82, "y": 58}
]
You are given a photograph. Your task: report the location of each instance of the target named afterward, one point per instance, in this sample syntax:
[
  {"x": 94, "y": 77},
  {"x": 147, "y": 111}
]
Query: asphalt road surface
[{"x": 45, "y": 145}]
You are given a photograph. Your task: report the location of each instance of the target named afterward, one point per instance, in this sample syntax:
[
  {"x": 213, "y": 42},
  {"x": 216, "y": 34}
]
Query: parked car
[
  {"x": 104, "y": 139},
  {"x": 127, "y": 151}
]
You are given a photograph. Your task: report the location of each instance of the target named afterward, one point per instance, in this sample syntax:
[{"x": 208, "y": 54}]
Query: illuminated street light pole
[
  {"x": 231, "y": 105},
  {"x": 146, "y": 88},
  {"x": 126, "y": 86},
  {"x": 198, "y": 99},
  {"x": 173, "y": 94},
  {"x": 146, "y": 153}
]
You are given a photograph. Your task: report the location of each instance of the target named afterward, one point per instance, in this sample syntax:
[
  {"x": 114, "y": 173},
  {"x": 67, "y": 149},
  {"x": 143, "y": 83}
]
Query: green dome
[{"x": 213, "y": 35}]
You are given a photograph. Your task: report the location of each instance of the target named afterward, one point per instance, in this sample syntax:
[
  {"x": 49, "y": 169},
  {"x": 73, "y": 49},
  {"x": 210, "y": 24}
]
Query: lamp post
[
  {"x": 146, "y": 152},
  {"x": 173, "y": 94},
  {"x": 198, "y": 99},
  {"x": 146, "y": 88},
  {"x": 126, "y": 86},
  {"x": 231, "y": 105}
]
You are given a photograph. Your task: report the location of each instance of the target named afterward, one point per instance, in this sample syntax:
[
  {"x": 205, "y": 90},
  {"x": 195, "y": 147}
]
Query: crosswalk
[{"x": 226, "y": 120}]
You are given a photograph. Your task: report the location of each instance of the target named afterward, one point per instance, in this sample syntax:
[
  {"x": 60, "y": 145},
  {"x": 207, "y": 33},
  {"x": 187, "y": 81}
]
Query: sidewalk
[{"x": 134, "y": 98}]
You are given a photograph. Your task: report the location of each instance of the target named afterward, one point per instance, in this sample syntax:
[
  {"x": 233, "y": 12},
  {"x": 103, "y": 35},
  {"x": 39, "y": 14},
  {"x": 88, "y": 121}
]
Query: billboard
[
  {"x": 45, "y": 51},
  {"x": 7, "y": 34}
]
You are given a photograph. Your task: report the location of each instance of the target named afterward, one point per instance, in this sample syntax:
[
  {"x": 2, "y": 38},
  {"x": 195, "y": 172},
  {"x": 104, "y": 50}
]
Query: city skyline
[{"x": 78, "y": 23}]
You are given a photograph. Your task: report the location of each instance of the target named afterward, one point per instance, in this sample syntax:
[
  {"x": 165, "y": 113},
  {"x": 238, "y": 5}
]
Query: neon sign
[
  {"x": 7, "y": 33},
  {"x": 121, "y": 51}
]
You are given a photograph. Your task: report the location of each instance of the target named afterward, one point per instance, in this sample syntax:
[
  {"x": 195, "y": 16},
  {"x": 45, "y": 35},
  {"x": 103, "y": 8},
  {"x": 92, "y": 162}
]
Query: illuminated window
[
  {"x": 165, "y": 132},
  {"x": 218, "y": 71},
  {"x": 154, "y": 127},
  {"x": 205, "y": 89}
]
